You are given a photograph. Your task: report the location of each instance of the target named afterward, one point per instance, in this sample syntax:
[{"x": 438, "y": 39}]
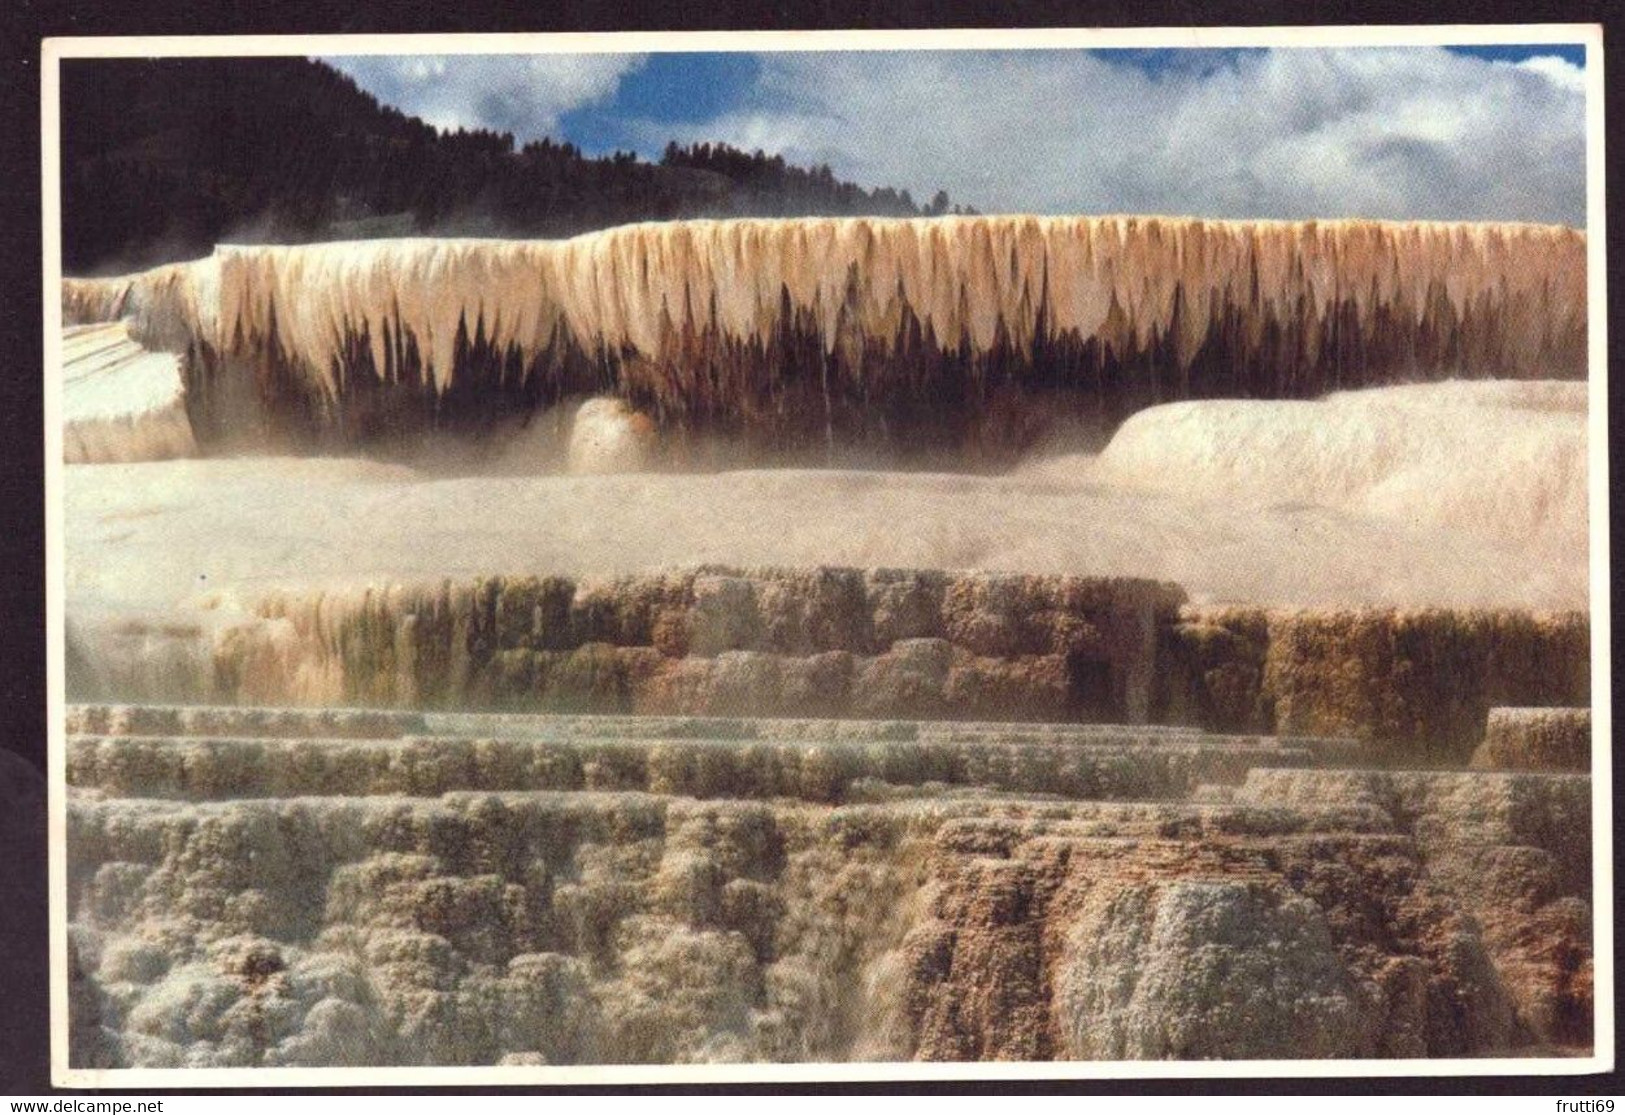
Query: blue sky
[{"x": 1413, "y": 132}]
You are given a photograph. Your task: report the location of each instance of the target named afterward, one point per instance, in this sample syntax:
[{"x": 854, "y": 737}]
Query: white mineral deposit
[{"x": 832, "y": 639}]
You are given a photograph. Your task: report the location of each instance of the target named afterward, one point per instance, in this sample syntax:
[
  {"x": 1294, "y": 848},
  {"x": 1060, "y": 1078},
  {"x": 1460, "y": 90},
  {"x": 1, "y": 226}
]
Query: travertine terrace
[
  {"x": 834, "y": 642},
  {"x": 122, "y": 402},
  {"x": 262, "y": 888},
  {"x": 1172, "y": 640},
  {"x": 674, "y": 855},
  {"x": 937, "y": 338}
]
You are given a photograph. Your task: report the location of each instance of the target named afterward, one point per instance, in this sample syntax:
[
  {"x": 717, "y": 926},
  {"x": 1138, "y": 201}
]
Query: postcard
[{"x": 883, "y": 556}]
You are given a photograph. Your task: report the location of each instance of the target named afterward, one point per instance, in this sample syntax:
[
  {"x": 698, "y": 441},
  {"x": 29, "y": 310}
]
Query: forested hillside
[{"x": 164, "y": 158}]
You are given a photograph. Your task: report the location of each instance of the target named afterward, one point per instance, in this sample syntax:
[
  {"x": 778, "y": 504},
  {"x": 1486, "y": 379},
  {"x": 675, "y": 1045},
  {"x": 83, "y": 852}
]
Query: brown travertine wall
[
  {"x": 836, "y": 642},
  {"x": 1258, "y": 935},
  {"x": 1536, "y": 739},
  {"x": 1416, "y": 684},
  {"x": 554, "y": 890},
  {"x": 969, "y": 335},
  {"x": 718, "y": 641}
]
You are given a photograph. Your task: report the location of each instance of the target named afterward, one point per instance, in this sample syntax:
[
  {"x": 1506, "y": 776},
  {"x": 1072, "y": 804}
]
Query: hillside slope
[{"x": 164, "y": 158}]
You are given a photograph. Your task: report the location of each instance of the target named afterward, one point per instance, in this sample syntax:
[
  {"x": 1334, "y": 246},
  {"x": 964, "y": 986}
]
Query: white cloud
[
  {"x": 522, "y": 94},
  {"x": 1415, "y": 133},
  {"x": 1556, "y": 69}
]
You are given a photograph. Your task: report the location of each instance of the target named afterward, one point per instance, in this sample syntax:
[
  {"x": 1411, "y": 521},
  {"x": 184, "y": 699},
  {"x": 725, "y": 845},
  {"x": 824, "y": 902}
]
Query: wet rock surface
[
  {"x": 275, "y": 887},
  {"x": 1417, "y": 684},
  {"x": 971, "y": 334},
  {"x": 1536, "y": 739},
  {"x": 431, "y": 728},
  {"x": 828, "y": 641}
]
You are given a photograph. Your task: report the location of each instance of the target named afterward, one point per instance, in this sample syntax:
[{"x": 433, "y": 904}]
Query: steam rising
[
  {"x": 1499, "y": 460},
  {"x": 1479, "y": 527},
  {"x": 702, "y": 871}
]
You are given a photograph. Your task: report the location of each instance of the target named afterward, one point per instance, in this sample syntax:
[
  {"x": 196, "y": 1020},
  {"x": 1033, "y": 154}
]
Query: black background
[{"x": 24, "y": 1025}]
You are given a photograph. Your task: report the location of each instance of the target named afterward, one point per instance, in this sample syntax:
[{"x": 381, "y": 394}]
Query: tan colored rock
[
  {"x": 1536, "y": 739},
  {"x": 727, "y": 324},
  {"x": 582, "y": 889},
  {"x": 1416, "y": 685},
  {"x": 1202, "y": 969}
]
